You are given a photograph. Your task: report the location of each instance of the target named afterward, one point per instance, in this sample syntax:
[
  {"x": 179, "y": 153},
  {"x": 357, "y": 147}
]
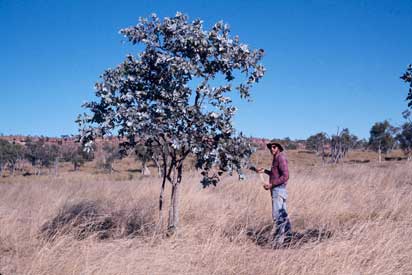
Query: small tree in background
[
  {"x": 10, "y": 154},
  {"x": 317, "y": 143},
  {"x": 404, "y": 136},
  {"x": 75, "y": 154},
  {"x": 144, "y": 154},
  {"x": 382, "y": 138},
  {"x": 111, "y": 152},
  {"x": 174, "y": 96},
  {"x": 341, "y": 143},
  {"x": 40, "y": 154}
]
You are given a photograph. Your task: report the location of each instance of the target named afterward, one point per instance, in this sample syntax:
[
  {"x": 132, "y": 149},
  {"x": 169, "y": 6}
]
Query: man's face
[{"x": 274, "y": 149}]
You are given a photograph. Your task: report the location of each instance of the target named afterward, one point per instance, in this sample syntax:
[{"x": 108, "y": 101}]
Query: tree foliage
[
  {"x": 75, "y": 154},
  {"x": 317, "y": 142},
  {"x": 111, "y": 152},
  {"x": 381, "y": 138},
  {"x": 174, "y": 95},
  {"x": 341, "y": 143},
  {"x": 404, "y": 137},
  {"x": 146, "y": 153},
  {"x": 9, "y": 154},
  {"x": 41, "y": 153},
  {"x": 407, "y": 77}
]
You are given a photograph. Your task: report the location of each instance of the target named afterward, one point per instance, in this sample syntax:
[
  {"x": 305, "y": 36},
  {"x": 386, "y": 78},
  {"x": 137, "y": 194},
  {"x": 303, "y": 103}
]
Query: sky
[{"x": 329, "y": 64}]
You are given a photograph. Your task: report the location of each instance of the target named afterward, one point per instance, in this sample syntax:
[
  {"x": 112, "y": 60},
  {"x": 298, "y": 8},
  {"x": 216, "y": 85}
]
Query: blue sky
[{"x": 329, "y": 64}]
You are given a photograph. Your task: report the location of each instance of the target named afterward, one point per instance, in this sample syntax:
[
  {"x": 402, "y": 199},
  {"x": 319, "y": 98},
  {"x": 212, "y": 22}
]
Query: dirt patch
[
  {"x": 263, "y": 238},
  {"x": 89, "y": 218}
]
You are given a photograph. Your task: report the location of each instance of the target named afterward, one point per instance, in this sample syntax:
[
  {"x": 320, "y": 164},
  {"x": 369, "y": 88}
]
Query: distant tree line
[
  {"x": 383, "y": 138},
  {"x": 40, "y": 153}
]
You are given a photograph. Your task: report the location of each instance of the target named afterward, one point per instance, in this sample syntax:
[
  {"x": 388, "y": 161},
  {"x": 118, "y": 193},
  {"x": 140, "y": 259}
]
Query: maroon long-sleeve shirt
[{"x": 279, "y": 173}]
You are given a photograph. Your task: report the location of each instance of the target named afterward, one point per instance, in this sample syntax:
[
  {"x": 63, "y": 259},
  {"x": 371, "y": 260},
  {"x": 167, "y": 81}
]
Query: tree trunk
[
  {"x": 56, "y": 167},
  {"x": 174, "y": 209},
  {"x": 162, "y": 190},
  {"x": 380, "y": 154},
  {"x": 13, "y": 169},
  {"x": 173, "y": 221},
  {"x": 144, "y": 168},
  {"x": 159, "y": 167}
]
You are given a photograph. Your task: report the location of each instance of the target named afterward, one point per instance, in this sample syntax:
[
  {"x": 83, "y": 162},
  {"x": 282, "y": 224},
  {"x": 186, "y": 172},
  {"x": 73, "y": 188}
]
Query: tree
[
  {"x": 9, "y": 155},
  {"x": 317, "y": 143},
  {"x": 174, "y": 96},
  {"x": 41, "y": 154},
  {"x": 111, "y": 152},
  {"x": 341, "y": 143},
  {"x": 381, "y": 138},
  {"x": 404, "y": 136},
  {"x": 361, "y": 144},
  {"x": 407, "y": 77},
  {"x": 75, "y": 154}
]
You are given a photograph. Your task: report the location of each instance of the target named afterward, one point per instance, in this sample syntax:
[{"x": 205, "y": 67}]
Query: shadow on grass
[
  {"x": 262, "y": 237},
  {"x": 90, "y": 218}
]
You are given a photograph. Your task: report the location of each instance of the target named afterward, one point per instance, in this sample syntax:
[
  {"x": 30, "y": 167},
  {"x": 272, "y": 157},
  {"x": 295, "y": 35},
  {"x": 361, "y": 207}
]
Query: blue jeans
[{"x": 282, "y": 227}]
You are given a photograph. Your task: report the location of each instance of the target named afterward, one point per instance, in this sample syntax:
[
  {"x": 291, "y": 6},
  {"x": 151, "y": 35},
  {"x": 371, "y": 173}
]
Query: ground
[{"x": 364, "y": 208}]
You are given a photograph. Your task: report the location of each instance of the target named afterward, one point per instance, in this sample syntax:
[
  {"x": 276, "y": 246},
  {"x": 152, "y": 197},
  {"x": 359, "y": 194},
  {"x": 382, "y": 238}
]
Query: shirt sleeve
[{"x": 284, "y": 171}]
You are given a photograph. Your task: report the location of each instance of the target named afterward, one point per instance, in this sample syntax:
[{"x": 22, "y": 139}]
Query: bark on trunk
[
  {"x": 173, "y": 221},
  {"x": 380, "y": 154},
  {"x": 56, "y": 167},
  {"x": 174, "y": 209}
]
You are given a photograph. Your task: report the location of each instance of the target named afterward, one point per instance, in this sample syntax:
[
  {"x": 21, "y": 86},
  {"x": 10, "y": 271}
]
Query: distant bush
[
  {"x": 9, "y": 155},
  {"x": 41, "y": 154},
  {"x": 75, "y": 154},
  {"x": 111, "y": 152}
]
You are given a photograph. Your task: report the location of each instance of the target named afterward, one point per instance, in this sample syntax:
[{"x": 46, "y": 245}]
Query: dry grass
[{"x": 367, "y": 208}]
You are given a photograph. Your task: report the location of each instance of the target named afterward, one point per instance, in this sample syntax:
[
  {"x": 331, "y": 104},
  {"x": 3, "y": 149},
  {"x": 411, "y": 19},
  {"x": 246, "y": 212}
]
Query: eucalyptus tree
[
  {"x": 404, "y": 135},
  {"x": 41, "y": 154},
  {"x": 10, "y": 154},
  {"x": 111, "y": 152},
  {"x": 341, "y": 143},
  {"x": 382, "y": 138},
  {"x": 75, "y": 154},
  {"x": 318, "y": 143},
  {"x": 174, "y": 95},
  {"x": 145, "y": 153}
]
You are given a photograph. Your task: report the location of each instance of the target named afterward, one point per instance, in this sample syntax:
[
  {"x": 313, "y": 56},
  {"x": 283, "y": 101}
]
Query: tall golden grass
[{"x": 368, "y": 209}]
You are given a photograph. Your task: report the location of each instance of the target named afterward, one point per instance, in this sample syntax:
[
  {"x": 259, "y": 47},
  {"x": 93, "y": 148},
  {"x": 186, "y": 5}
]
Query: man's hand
[
  {"x": 267, "y": 186},
  {"x": 260, "y": 170}
]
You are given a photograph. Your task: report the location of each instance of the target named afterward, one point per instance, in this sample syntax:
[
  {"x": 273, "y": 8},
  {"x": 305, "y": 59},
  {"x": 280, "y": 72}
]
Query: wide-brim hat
[{"x": 274, "y": 142}]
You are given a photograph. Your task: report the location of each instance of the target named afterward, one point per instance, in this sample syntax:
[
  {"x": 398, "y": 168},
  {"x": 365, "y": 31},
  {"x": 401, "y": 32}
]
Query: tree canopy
[
  {"x": 381, "y": 137},
  {"x": 175, "y": 94}
]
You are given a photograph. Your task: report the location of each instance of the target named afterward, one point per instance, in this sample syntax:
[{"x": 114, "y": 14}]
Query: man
[{"x": 278, "y": 177}]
